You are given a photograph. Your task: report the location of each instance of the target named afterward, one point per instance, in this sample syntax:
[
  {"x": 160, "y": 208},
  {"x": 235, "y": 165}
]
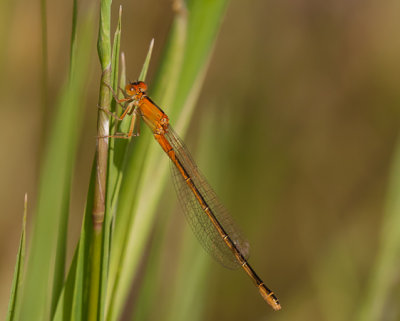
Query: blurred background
[{"x": 296, "y": 128}]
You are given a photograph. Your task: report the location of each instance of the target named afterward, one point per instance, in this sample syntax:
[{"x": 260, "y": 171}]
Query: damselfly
[{"x": 208, "y": 218}]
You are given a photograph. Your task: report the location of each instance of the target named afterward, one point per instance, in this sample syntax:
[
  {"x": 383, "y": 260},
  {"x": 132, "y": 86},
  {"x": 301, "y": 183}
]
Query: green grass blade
[
  {"x": 99, "y": 242},
  {"x": 119, "y": 238},
  {"x": 104, "y": 40},
  {"x": 81, "y": 276},
  {"x": 55, "y": 179},
  {"x": 63, "y": 309},
  {"x": 386, "y": 267},
  {"x": 128, "y": 198},
  {"x": 18, "y": 271},
  {"x": 171, "y": 65},
  {"x": 149, "y": 283},
  {"x": 146, "y": 63},
  {"x": 115, "y": 53},
  {"x": 72, "y": 304},
  {"x": 202, "y": 28},
  {"x": 119, "y": 147},
  {"x": 139, "y": 198},
  {"x": 59, "y": 264},
  {"x": 116, "y": 156},
  {"x": 188, "y": 298},
  {"x": 180, "y": 303},
  {"x": 184, "y": 302},
  {"x": 112, "y": 180}
]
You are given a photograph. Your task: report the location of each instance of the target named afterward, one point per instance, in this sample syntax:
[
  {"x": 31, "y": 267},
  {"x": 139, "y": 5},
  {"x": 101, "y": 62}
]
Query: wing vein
[{"x": 198, "y": 220}]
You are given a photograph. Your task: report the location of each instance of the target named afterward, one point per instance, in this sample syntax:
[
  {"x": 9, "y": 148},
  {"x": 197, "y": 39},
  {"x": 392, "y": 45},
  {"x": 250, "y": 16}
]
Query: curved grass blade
[
  {"x": 55, "y": 178},
  {"x": 72, "y": 304},
  {"x": 140, "y": 191},
  {"x": 18, "y": 271}
]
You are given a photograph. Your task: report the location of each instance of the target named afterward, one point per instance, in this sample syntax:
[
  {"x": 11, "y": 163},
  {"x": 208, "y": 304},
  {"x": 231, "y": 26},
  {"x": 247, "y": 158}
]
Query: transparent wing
[{"x": 198, "y": 220}]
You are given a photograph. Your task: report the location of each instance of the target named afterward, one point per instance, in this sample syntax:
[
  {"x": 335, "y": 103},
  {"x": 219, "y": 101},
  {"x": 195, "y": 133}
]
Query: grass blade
[
  {"x": 386, "y": 268},
  {"x": 72, "y": 304},
  {"x": 119, "y": 239},
  {"x": 146, "y": 63},
  {"x": 144, "y": 177},
  {"x": 112, "y": 180},
  {"x": 55, "y": 179},
  {"x": 98, "y": 261},
  {"x": 119, "y": 147},
  {"x": 59, "y": 264},
  {"x": 18, "y": 272}
]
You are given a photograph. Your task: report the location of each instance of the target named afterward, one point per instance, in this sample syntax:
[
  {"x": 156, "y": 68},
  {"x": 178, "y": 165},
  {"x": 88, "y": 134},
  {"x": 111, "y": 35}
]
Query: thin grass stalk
[
  {"x": 103, "y": 121},
  {"x": 115, "y": 162},
  {"x": 112, "y": 171},
  {"x": 103, "y": 124}
]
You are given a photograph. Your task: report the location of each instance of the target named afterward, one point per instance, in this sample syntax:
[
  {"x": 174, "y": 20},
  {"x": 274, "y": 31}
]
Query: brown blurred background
[{"x": 302, "y": 98}]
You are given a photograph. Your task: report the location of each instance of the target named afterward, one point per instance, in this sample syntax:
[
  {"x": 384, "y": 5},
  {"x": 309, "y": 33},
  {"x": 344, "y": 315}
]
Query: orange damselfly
[{"x": 207, "y": 217}]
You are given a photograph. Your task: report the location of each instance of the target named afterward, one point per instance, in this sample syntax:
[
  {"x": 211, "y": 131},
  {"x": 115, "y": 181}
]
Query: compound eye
[
  {"x": 129, "y": 89},
  {"x": 142, "y": 86}
]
